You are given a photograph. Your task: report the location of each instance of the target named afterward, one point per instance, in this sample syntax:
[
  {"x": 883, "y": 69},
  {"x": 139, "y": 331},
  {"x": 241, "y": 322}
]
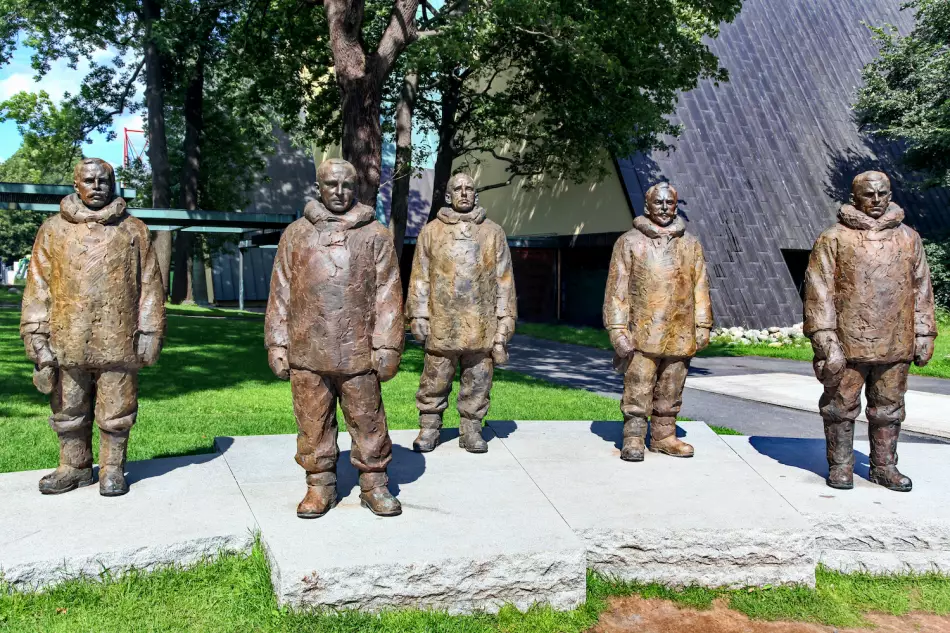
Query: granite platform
[{"x": 519, "y": 525}]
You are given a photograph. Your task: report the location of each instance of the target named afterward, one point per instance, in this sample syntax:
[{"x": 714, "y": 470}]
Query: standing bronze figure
[
  {"x": 335, "y": 329},
  {"x": 869, "y": 312},
  {"x": 658, "y": 315},
  {"x": 462, "y": 308},
  {"x": 93, "y": 315}
]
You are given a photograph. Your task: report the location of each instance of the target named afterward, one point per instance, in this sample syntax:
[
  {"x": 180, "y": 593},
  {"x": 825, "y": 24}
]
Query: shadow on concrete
[
  {"x": 407, "y": 466},
  {"x": 612, "y": 432},
  {"x": 805, "y": 453},
  {"x": 158, "y": 467},
  {"x": 503, "y": 428}
]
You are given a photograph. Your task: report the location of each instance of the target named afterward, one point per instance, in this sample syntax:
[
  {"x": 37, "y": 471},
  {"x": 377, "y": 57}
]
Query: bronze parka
[
  {"x": 93, "y": 284},
  {"x": 868, "y": 281},
  {"x": 462, "y": 282},
  {"x": 657, "y": 289},
  {"x": 335, "y": 294}
]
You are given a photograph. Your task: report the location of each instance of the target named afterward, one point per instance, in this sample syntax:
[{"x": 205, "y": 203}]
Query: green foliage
[
  {"x": 554, "y": 86},
  {"x": 17, "y": 231},
  {"x": 52, "y": 138},
  {"x": 938, "y": 257},
  {"x": 906, "y": 93}
]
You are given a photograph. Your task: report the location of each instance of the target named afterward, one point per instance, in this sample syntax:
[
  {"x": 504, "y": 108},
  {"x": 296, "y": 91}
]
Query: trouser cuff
[
  {"x": 117, "y": 425},
  {"x": 369, "y": 481},
  {"x": 66, "y": 424},
  {"x": 321, "y": 479}
]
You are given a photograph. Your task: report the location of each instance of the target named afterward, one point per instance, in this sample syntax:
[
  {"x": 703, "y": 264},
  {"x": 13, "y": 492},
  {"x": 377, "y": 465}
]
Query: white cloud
[{"x": 15, "y": 83}]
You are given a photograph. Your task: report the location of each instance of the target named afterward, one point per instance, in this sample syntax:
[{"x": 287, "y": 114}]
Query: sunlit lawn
[{"x": 213, "y": 380}]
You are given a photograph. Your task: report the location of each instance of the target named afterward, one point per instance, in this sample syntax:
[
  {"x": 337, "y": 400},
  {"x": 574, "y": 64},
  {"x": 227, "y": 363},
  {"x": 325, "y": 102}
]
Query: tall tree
[
  {"x": 906, "y": 90},
  {"x": 554, "y": 86}
]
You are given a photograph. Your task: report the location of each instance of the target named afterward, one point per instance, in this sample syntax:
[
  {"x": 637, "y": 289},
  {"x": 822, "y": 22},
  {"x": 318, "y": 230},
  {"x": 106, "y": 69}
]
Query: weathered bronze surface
[
  {"x": 335, "y": 329},
  {"x": 658, "y": 315},
  {"x": 462, "y": 308},
  {"x": 93, "y": 315},
  {"x": 869, "y": 312}
]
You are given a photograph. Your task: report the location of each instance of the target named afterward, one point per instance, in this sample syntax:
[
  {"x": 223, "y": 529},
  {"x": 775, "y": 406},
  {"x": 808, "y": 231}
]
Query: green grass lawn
[
  {"x": 10, "y": 296},
  {"x": 939, "y": 366},
  {"x": 233, "y": 595},
  {"x": 213, "y": 380}
]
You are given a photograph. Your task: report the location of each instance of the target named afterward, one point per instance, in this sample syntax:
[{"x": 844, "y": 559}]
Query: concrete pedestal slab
[
  {"x": 475, "y": 532},
  {"x": 868, "y": 528},
  {"x": 709, "y": 520},
  {"x": 179, "y": 511}
]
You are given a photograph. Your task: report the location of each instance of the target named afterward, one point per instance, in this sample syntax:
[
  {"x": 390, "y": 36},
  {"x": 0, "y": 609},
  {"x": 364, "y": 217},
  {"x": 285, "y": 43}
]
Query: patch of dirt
[{"x": 637, "y": 615}]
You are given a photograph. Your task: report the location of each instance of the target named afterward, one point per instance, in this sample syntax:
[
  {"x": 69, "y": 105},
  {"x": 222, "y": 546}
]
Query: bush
[{"x": 938, "y": 256}]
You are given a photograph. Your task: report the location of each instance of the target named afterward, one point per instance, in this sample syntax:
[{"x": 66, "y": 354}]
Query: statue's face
[
  {"x": 661, "y": 209},
  {"x": 872, "y": 196},
  {"x": 94, "y": 186},
  {"x": 463, "y": 194},
  {"x": 338, "y": 189}
]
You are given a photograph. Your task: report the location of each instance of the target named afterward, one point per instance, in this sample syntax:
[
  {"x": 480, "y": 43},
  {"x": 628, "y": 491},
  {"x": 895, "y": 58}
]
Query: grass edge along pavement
[
  {"x": 233, "y": 593},
  {"x": 939, "y": 366}
]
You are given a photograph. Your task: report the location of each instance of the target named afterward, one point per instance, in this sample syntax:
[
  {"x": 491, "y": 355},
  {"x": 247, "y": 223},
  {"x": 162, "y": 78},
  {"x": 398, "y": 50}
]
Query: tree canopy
[{"x": 906, "y": 92}]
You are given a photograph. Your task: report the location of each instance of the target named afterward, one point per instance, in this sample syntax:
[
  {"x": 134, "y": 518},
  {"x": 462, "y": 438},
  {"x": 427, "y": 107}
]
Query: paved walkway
[{"x": 592, "y": 369}]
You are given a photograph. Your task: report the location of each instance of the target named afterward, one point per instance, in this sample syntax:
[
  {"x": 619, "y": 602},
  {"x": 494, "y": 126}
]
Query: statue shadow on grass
[{"x": 805, "y": 453}]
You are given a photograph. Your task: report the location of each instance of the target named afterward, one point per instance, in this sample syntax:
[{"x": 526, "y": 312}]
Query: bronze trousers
[
  {"x": 111, "y": 394},
  {"x": 885, "y": 386},
  {"x": 315, "y": 397},
  {"x": 474, "y": 390},
  {"x": 653, "y": 385}
]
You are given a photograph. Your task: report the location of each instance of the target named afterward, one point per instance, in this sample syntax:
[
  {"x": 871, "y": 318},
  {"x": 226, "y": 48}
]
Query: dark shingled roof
[{"x": 766, "y": 159}]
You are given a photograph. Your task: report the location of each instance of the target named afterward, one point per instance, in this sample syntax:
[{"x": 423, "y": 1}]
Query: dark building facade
[{"x": 765, "y": 160}]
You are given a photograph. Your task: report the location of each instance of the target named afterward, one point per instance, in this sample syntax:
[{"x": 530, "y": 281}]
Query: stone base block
[
  {"x": 178, "y": 511},
  {"x": 708, "y": 520},
  {"x": 475, "y": 532},
  {"x": 868, "y": 528}
]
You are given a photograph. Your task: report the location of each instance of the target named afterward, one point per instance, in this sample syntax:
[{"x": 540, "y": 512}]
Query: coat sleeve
[
  {"x": 152, "y": 292},
  {"x": 506, "y": 304},
  {"x": 417, "y": 301},
  {"x": 276, "y": 333},
  {"x": 34, "y": 318},
  {"x": 616, "y": 296},
  {"x": 924, "y": 318},
  {"x": 390, "y": 329},
  {"x": 702, "y": 302},
  {"x": 819, "y": 307}
]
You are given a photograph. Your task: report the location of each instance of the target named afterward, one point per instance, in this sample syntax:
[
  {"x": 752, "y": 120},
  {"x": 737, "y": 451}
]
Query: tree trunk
[
  {"x": 157, "y": 142},
  {"x": 363, "y": 135},
  {"x": 446, "y": 153},
  {"x": 402, "y": 171},
  {"x": 190, "y": 173}
]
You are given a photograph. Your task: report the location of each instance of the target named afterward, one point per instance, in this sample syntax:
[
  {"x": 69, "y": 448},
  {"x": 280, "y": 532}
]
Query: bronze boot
[
  {"x": 839, "y": 446},
  {"x": 663, "y": 438},
  {"x": 470, "y": 436},
  {"x": 75, "y": 463},
  {"x": 112, "y": 451},
  {"x": 376, "y": 496},
  {"x": 320, "y": 497},
  {"x": 884, "y": 458},
  {"x": 428, "y": 438},
  {"x": 634, "y": 440}
]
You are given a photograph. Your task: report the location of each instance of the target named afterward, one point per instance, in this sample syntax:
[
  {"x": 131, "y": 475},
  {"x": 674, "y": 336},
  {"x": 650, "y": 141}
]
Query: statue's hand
[
  {"x": 38, "y": 350},
  {"x": 386, "y": 363},
  {"x": 148, "y": 347},
  {"x": 277, "y": 359},
  {"x": 702, "y": 338},
  {"x": 499, "y": 354},
  {"x": 923, "y": 350},
  {"x": 622, "y": 344},
  {"x": 420, "y": 330}
]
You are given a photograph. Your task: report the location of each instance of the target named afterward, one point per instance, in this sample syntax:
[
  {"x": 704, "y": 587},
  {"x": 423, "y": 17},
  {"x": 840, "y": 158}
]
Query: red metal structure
[{"x": 130, "y": 153}]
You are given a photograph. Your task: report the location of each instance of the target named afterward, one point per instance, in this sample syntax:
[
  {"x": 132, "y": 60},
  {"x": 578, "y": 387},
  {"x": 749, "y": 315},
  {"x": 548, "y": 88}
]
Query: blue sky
[{"x": 19, "y": 76}]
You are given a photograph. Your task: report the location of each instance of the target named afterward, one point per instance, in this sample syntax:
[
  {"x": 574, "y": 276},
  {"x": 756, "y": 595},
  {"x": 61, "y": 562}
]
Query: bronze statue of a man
[
  {"x": 869, "y": 312},
  {"x": 93, "y": 315},
  {"x": 335, "y": 329},
  {"x": 462, "y": 308},
  {"x": 658, "y": 315}
]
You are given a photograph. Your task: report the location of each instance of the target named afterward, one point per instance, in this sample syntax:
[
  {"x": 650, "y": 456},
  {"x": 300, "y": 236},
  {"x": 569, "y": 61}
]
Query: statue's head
[
  {"x": 871, "y": 193},
  {"x": 461, "y": 194},
  {"x": 94, "y": 181},
  {"x": 337, "y": 180},
  {"x": 661, "y": 203}
]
